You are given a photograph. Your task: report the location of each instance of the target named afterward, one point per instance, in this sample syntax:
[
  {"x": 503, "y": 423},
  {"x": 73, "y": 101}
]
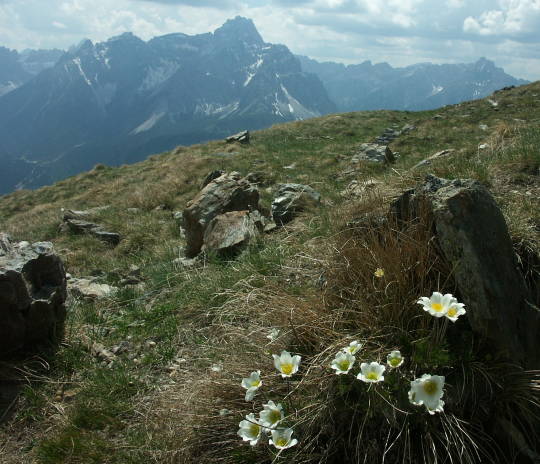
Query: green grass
[{"x": 157, "y": 402}]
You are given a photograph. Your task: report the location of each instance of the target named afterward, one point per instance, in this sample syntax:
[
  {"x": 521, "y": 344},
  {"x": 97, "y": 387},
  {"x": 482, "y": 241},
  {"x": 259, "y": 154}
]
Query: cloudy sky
[{"x": 400, "y": 32}]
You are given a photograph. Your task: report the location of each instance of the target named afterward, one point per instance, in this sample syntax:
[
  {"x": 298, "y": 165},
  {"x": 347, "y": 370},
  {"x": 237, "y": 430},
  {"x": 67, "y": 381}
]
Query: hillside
[
  {"x": 152, "y": 373},
  {"x": 118, "y": 101}
]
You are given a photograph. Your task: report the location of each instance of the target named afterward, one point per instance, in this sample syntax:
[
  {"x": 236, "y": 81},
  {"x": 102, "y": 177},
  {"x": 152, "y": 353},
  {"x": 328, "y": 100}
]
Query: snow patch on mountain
[
  {"x": 436, "y": 89},
  {"x": 77, "y": 62},
  {"x": 253, "y": 70},
  {"x": 8, "y": 87},
  {"x": 216, "y": 109},
  {"x": 158, "y": 75},
  {"x": 148, "y": 124}
]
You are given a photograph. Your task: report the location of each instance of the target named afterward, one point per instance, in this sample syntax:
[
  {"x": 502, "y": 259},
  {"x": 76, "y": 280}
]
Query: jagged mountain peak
[{"x": 239, "y": 29}]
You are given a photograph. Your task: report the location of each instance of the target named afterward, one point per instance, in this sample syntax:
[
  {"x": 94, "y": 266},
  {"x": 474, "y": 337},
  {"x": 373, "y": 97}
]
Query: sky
[{"x": 400, "y": 32}]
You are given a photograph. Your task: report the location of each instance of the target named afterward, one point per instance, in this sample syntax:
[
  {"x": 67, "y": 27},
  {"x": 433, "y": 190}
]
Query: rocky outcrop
[
  {"x": 73, "y": 221},
  {"x": 241, "y": 137},
  {"x": 292, "y": 199},
  {"x": 32, "y": 295},
  {"x": 229, "y": 233},
  {"x": 473, "y": 238},
  {"x": 229, "y": 192},
  {"x": 373, "y": 152}
]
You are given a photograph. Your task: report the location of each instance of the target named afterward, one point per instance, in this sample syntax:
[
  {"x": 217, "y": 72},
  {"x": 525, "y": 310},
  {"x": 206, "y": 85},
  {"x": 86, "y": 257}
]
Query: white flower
[
  {"x": 342, "y": 363},
  {"x": 438, "y": 304},
  {"x": 286, "y": 364},
  {"x": 250, "y": 430},
  {"x": 439, "y": 408},
  {"x": 394, "y": 359},
  {"x": 379, "y": 272},
  {"x": 353, "y": 347},
  {"x": 371, "y": 373},
  {"x": 273, "y": 335},
  {"x": 281, "y": 439},
  {"x": 428, "y": 390},
  {"x": 271, "y": 415},
  {"x": 455, "y": 310},
  {"x": 252, "y": 384}
]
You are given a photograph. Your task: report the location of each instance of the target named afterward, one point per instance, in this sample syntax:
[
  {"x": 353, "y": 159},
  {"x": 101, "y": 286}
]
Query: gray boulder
[
  {"x": 373, "y": 152},
  {"x": 292, "y": 199},
  {"x": 32, "y": 295},
  {"x": 229, "y": 233},
  {"x": 474, "y": 239},
  {"x": 229, "y": 192}
]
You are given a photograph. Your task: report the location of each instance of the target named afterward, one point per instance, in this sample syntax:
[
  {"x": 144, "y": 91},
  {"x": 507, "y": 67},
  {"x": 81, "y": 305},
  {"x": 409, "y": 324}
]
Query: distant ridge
[{"x": 421, "y": 86}]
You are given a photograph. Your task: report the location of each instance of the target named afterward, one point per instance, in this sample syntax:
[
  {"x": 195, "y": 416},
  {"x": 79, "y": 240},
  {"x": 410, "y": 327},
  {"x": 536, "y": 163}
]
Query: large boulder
[
  {"x": 473, "y": 237},
  {"x": 291, "y": 199},
  {"x": 228, "y": 233},
  {"x": 32, "y": 295},
  {"x": 229, "y": 192}
]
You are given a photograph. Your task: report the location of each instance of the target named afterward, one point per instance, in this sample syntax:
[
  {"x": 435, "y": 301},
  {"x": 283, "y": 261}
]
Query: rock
[
  {"x": 133, "y": 210},
  {"x": 84, "y": 227},
  {"x": 241, "y": 137},
  {"x": 211, "y": 176},
  {"x": 74, "y": 214},
  {"x": 256, "y": 177},
  {"x": 493, "y": 103},
  {"x": 373, "y": 152},
  {"x": 407, "y": 128},
  {"x": 226, "y": 193},
  {"x": 389, "y": 134},
  {"x": 229, "y": 233},
  {"x": 186, "y": 263},
  {"x": 473, "y": 237},
  {"x": 483, "y": 127},
  {"x": 439, "y": 154},
  {"x": 32, "y": 295},
  {"x": 483, "y": 146},
  {"x": 90, "y": 290},
  {"x": 438, "y": 116},
  {"x": 358, "y": 189},
  {"x": 292, "y": 199}
]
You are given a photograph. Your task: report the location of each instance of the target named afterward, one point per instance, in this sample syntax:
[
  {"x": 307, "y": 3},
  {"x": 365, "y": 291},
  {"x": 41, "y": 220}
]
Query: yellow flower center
[
  {"x": 287, "y": 369},
  {"x": 255, "y": 383},
  {"x": 274, "y": 416},
  {"x": 343, "y": 365},
  {"x": 254, "y": 429},
  {"x": 437, "y": 307},
  {"x": 452, "y": 312},
  {"x": 430, "y": 387},
  {"x": 281, "y": 442},
  {"x": 372, "y": 376},
  {"x": 394, "y": 362}
]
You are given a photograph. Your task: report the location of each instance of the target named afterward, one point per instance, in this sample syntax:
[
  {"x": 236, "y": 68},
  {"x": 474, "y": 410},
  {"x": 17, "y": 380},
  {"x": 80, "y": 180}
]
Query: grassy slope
[{"x": 159, "y": 401}]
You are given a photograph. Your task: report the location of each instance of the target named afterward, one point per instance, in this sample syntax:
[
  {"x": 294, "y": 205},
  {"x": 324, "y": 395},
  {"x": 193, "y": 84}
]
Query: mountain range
[
  {"x": 422, "y": 86},
  {"x": 121, "y": 100}
]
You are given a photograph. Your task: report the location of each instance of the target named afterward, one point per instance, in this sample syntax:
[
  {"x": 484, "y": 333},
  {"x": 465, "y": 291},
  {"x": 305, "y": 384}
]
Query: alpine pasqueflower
[
  {"x": 252, "y": 384},
  {"x": 286, "y": 364},
  {"x": 371, "y": 373}
]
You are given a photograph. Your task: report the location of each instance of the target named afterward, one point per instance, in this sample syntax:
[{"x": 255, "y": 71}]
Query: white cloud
[{"x": 514, "y": 18}]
